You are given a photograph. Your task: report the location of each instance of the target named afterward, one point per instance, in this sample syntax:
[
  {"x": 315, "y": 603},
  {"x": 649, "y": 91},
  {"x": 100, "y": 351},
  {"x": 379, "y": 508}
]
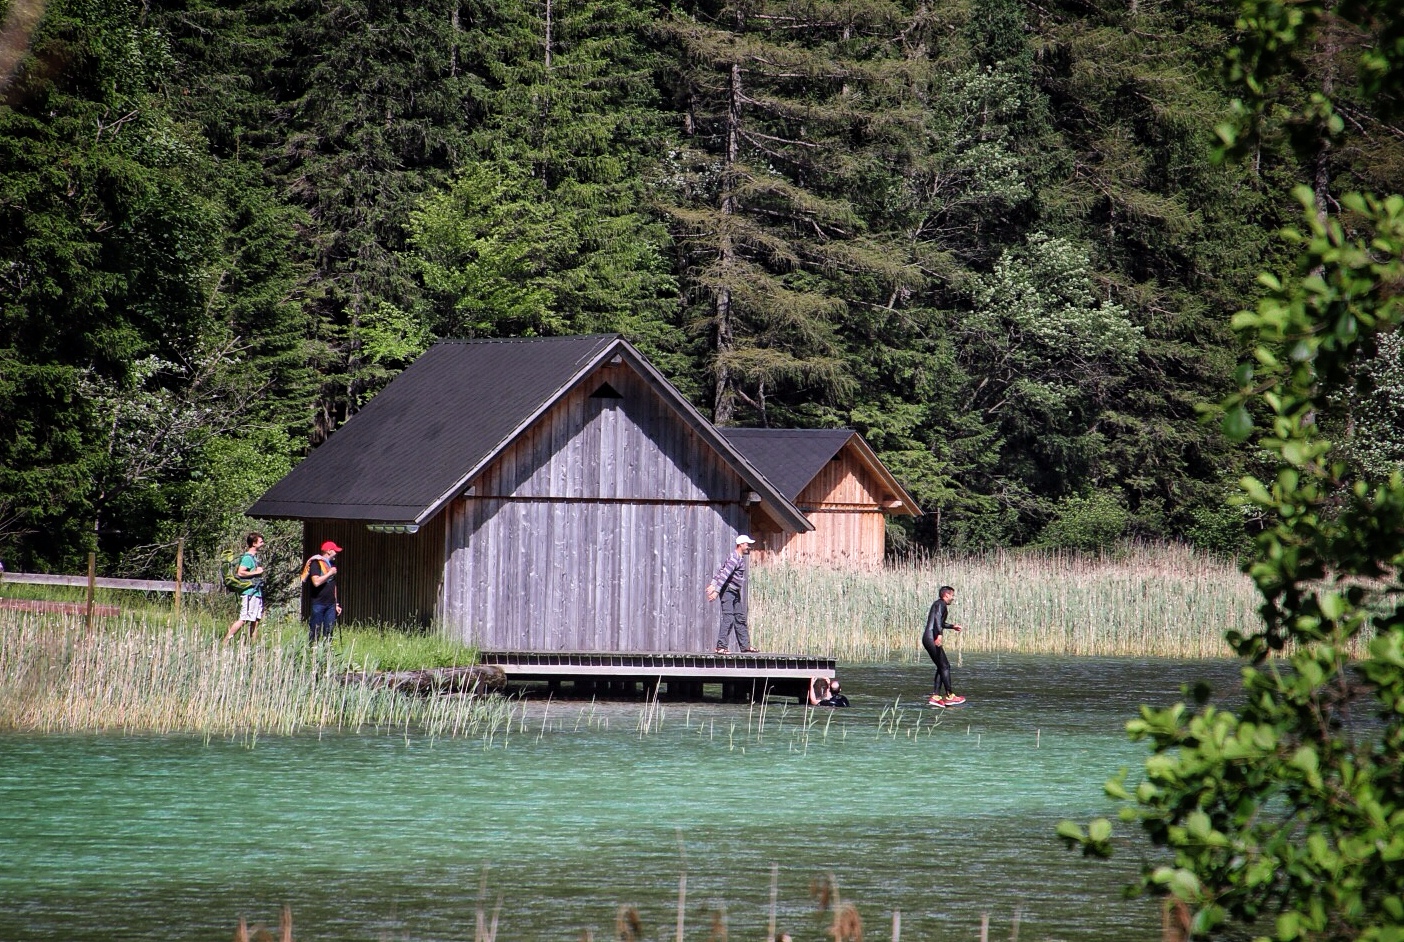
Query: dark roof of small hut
[
  {"x": 793, "y": 457},
  {"x": 418, "y": 442}
]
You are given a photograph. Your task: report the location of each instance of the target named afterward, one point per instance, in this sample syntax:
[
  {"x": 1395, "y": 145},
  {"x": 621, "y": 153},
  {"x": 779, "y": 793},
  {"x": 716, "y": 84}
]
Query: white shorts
[{"x": 251, "y": 607}]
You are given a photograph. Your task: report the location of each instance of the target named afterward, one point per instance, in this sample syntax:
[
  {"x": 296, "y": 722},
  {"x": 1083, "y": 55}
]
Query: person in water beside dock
[
  {"x": 937, "y": 623},
  {"x": 729, "y": 585},
  {"x": 826, "y": 693}
]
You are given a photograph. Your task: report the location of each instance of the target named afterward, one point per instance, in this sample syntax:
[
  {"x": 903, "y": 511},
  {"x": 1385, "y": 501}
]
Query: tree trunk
[
  {"x": 724, "y": 407},
  {"x": 453, "y": 49},
  {"x": 1329, "y": 49}
]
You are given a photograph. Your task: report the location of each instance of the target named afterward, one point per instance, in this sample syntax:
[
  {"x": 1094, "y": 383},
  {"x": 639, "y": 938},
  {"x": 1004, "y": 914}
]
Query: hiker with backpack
[
  {"x": 249, "y": 576},
  {"x": 319, "y": 571}
]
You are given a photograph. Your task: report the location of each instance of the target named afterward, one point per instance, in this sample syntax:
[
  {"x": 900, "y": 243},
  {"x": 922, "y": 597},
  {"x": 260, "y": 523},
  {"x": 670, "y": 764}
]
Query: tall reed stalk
[
  {"x": 141, "y": 674},
  {"x": 1144, "y": 600}
]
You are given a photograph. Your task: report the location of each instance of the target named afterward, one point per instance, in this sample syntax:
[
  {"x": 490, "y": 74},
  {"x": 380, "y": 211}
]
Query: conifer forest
[{"x": 1000, "y": 238}]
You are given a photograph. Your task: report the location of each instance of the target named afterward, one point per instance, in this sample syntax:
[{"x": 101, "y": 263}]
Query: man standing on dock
[
  {"x": 729, "y": 584},
  {"x": 937, "y": 622}
]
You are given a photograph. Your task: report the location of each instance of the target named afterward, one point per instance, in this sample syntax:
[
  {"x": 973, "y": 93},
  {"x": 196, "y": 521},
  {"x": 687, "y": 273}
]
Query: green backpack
[{"x": 229, "y": 573}]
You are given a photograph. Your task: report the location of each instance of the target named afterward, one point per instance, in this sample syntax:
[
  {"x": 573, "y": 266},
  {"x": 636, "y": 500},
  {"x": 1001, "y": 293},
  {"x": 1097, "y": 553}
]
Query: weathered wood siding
[
  {"x": 844, "y": 504},
  {"x": 386, "y": 577},
  {"x": 596, "y": 531}
]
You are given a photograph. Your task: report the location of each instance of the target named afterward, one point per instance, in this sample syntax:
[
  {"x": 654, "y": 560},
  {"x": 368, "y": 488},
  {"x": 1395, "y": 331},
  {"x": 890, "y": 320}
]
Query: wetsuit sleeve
[{"x": 936, "y": 620}]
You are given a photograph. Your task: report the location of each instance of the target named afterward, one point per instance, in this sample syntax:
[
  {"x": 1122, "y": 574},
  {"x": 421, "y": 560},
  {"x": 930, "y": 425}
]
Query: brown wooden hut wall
[
  {"x": 843, "y": 501},
  {"x": 596, "y": 531},
  {"x": 385, "y": 577}
]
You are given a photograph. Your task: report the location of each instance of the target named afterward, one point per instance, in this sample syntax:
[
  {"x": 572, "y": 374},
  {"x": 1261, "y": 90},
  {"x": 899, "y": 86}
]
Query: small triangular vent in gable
[{"x": 606, "y": 391}]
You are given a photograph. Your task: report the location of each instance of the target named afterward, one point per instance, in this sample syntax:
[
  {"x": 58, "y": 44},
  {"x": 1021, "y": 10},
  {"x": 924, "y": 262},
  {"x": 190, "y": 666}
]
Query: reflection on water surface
[{"x": 944, "y": 816}]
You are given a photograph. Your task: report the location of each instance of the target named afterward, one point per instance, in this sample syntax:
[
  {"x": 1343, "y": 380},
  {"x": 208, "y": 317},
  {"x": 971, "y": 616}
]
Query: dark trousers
[
  {"x": 733, "y": 618},
  {"x": 942, "y": 681},
  {"x": 323, "y": 621}
]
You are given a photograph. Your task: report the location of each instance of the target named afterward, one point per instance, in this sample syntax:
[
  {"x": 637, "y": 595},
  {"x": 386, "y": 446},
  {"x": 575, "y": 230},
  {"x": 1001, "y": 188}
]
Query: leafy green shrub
[
  {"x": 1093, "y": 522},
  {"x": 1285, "y": 820}
]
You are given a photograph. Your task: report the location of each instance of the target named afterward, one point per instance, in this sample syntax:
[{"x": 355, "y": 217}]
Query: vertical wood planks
[{"x": 595, "y": 531}]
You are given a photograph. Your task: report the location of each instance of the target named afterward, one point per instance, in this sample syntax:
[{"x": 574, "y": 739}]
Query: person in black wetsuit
[
  {"x": 826, "y": 693},
  {"x": 937, "y": 623},
  {"x": 835, "y": 697}
]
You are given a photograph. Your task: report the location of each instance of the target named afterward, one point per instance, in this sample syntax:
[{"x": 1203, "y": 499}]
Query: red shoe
[
  {"x": 935, "y": 701},
  {"x": 953, "y": 699}
]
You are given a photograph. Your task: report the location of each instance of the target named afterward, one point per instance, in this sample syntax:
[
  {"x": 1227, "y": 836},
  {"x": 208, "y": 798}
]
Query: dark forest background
[{"x": 991, "y": 235}]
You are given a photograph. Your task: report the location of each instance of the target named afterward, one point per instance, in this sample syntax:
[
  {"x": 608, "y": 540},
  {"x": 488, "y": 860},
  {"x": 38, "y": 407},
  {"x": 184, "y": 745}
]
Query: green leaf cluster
[{"x": 1285, "y": 819}]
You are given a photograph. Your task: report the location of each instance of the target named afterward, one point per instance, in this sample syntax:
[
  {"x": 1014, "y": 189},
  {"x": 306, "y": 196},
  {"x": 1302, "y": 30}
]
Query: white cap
[{"x": 743, "y": 538}]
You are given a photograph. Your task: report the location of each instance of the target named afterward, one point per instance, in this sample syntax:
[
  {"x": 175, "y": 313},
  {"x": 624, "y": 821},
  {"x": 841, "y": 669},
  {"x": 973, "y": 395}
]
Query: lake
[{"x": 944, "y": 816}]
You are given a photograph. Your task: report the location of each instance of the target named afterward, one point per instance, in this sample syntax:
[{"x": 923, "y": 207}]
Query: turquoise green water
[{"x": 945, "y": 817}]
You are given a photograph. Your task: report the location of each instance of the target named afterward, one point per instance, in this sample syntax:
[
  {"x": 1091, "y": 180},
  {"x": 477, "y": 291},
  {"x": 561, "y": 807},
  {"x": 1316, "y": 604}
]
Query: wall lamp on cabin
[
  {"x": 393, "y": 527},
  {"x": 750, "y": 497}
]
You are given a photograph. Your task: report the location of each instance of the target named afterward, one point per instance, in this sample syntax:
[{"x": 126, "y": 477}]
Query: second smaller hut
[{"x": 840, "y": 484}]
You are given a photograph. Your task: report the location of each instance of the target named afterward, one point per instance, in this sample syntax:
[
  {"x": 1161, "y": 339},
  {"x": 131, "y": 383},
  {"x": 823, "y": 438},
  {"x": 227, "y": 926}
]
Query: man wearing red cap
[{"x": 326, "y": 605}]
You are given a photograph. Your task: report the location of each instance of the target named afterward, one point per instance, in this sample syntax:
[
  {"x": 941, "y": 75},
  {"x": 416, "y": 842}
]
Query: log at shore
[{"x": 477, "y": 679}]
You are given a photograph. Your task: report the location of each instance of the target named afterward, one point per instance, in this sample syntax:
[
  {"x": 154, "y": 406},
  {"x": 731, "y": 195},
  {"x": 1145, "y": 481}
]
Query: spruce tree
[
  {"x": 546, "y": 227},
  {"x": 784, "y": 109},
  {"x": 111, "y": 237}
]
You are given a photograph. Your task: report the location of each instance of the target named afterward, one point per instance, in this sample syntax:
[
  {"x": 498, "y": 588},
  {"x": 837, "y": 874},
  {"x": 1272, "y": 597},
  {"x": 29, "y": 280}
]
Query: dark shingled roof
[
  {"x": 407, "y": 448},
  {"x": 790, "y": 458},
  {"x": 418, "y": 441}
]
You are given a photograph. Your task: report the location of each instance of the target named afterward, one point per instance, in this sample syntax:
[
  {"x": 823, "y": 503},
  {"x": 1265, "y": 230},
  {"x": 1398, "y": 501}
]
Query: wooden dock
[{"x": 670, "y": 676}]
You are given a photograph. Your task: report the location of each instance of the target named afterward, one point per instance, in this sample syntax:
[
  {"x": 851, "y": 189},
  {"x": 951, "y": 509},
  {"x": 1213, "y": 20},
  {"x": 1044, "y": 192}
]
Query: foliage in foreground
[{"x": 1286, "y": 820}]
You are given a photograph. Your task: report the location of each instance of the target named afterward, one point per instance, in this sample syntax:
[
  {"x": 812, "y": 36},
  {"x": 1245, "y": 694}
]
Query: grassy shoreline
[{"x": 141, "y": 672}]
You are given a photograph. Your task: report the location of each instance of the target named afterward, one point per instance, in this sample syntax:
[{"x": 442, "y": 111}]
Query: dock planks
[{"x": 685, "y": 675}]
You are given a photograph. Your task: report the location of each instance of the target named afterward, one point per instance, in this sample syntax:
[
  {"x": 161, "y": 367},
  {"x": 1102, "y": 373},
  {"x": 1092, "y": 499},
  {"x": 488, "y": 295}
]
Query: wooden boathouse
[
  {"x": 840, "y": 484},
  {"x": 532, "y": 495}
]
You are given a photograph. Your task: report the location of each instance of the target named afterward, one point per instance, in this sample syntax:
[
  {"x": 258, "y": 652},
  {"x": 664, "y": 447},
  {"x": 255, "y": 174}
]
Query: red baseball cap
[{"x": 330, "y": 547}]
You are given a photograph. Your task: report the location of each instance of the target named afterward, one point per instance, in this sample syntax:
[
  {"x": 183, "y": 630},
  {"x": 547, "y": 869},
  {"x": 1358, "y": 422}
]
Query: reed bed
[
  {"x": 385, "y": 647},
  {"x": 1141, "y": 601},
  {"x": 141, "y": 674}
]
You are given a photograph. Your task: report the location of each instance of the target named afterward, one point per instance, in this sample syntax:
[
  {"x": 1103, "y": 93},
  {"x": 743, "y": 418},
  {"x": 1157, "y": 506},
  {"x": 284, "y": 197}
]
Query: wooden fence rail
[
  {"x": 103, "y": 582},
  {"x": 92, "y": 582}
]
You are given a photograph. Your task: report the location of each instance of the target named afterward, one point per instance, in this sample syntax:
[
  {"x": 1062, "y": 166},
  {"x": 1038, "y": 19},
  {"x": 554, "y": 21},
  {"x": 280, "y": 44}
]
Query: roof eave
[
  {"x": 906, "y": 502},
  {"x": 783, "y": 509}
]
